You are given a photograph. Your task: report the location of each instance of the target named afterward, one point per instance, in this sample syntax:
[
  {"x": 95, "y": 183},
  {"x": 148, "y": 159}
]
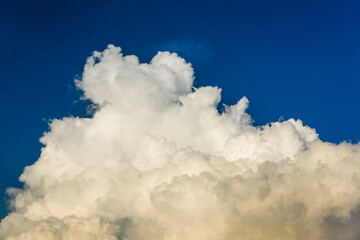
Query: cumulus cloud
[{"x": 158, "y": 161}]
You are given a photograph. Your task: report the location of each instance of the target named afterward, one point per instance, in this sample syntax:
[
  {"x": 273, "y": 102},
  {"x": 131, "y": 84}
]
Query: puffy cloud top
[{"x": 158, "y": 161}]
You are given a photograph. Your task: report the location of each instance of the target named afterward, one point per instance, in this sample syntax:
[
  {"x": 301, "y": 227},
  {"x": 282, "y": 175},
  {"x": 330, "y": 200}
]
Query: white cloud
[{"x": 158, "y": 161}]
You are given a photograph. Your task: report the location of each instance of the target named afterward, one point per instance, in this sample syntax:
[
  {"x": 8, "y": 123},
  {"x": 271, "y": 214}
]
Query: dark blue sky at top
[{"x": 298, "y": 59}]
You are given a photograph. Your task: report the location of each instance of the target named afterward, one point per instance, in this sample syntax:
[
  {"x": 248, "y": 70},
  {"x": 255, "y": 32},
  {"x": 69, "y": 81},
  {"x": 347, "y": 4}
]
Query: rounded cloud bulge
[{"x": 157, "y": 160}]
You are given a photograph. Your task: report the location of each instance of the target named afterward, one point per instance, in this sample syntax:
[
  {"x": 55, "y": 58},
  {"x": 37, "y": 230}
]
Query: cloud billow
[{"x": 158, "y": 161}]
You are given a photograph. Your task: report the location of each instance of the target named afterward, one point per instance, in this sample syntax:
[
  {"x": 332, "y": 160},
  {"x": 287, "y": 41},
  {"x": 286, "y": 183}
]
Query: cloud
[{"x": 158, "y": 161}]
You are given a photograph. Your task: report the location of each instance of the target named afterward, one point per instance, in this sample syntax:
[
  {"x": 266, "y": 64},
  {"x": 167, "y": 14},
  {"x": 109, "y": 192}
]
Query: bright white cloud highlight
[{"x": 158, "y": 161}]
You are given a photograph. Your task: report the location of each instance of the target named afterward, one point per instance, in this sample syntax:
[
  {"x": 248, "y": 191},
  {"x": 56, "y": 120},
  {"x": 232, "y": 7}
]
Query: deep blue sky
[{"x": 298, "y": 59}]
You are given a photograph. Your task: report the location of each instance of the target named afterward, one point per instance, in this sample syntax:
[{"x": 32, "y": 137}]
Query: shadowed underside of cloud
[{"x": 158, "y": 161}]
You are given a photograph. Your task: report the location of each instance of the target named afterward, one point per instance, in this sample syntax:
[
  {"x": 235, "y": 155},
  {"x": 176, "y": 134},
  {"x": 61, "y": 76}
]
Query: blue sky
[{"x": 298, "y": 59}]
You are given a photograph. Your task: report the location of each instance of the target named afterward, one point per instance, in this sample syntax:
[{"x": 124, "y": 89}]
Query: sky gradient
[{"x": 291, "y": 59}]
